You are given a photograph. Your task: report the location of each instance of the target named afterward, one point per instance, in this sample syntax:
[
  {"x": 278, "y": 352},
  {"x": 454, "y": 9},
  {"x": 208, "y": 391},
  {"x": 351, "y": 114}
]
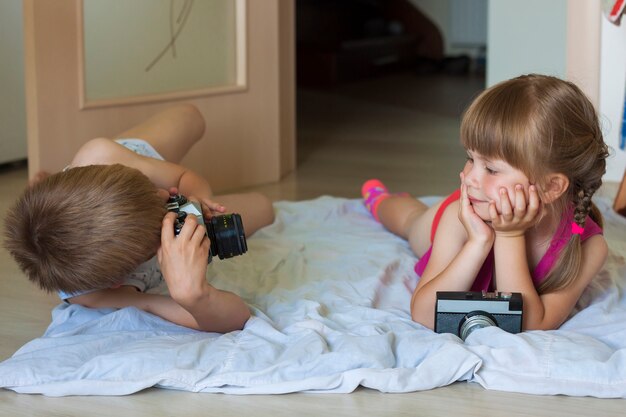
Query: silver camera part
[
  {"x": 191, "y": 207},
  {"x": 459, "y": 312},
  {"x": 475, "y": 322}
]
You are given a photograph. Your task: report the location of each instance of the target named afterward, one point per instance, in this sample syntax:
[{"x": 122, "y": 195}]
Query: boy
[{"x": 91, "y": 232}]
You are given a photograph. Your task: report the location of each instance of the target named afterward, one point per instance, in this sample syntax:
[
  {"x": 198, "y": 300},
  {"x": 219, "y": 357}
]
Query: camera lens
[
  {"x": 227, "y": 236},
  {"x": 475, "y": 320}
]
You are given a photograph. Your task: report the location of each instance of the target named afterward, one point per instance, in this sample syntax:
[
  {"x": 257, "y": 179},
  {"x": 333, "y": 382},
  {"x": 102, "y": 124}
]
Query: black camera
[
  {"x": 463, "y": 312},
  {"x": 225, "y": 232}
]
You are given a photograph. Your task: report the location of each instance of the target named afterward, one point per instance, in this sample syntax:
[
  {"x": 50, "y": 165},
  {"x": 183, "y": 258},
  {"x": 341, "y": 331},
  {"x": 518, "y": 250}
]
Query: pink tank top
[{"x": 484, "y": 277}]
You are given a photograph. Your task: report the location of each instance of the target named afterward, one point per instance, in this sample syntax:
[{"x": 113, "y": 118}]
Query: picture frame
[{"x": 161, "y": 50}]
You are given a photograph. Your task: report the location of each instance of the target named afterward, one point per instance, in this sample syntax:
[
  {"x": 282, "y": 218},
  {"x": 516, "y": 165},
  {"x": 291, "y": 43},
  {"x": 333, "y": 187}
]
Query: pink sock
[{"x": 373, "y": 192}]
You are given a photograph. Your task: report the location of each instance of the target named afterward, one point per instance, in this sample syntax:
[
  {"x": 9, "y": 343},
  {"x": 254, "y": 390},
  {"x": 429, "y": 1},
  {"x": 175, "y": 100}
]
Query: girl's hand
[
  {"x": 184, "y": 258},
  {"x": 517, "y": 216},
  {"x": 475, "y": 227}
]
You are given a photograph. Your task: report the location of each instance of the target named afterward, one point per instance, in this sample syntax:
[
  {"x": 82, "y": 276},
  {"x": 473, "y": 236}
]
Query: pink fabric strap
[
  {"x": 576, "y": 229},
  {"x": 559, "y": 240}
]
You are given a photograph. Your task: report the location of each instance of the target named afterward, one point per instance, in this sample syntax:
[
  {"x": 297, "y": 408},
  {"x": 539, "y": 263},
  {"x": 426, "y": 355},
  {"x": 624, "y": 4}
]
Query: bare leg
[
  {"x": 256, "y": 210},
  {"x": 408, "y": 218},
  {"x": 171, "y": 132}
]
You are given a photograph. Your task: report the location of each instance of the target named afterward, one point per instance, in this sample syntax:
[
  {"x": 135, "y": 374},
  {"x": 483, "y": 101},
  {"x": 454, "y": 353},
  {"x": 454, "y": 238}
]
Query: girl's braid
[{"x": 582, "y": 201}]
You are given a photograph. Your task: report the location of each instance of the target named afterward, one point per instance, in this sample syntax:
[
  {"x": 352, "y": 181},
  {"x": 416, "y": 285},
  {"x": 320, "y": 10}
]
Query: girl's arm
[
  {"x": 460, "y": 247},
  {"x": 547, "y": 311},
  {"x": 512, "y": 272}
]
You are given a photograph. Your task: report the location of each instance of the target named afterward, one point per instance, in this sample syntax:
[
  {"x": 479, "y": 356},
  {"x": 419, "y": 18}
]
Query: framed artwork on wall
[{"x": 153, "y": 50}]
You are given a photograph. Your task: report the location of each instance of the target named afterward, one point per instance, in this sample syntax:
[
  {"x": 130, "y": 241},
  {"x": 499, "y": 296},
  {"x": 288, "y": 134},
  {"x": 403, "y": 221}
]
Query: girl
[{"x": 523, "y": 220}]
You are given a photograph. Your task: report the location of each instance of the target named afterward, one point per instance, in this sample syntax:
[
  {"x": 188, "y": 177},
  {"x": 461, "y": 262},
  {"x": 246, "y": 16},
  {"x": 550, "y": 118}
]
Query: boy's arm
[
  {"x": 128, "y": 296},
  {"x": 163, "y": 174},
  {"x": 159, "y": 305},
  {"x": 193, "y": 303},
  {"x": 183, "y": 261}
]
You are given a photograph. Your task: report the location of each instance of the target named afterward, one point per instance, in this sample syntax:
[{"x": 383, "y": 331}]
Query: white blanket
[{"x": 328, "y": 290}]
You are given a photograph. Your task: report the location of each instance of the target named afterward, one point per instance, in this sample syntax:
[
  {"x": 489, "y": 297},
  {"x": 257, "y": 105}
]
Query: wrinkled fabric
[{"x": 327, "y": 286}]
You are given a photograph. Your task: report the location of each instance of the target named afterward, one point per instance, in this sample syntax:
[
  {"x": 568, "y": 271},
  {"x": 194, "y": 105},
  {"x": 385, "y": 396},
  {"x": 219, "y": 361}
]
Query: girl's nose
[{"x": 470, "y": 175}]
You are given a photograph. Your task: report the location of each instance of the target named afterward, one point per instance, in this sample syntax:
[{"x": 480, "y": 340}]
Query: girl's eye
[
  {"x": 490, "y": 171},
  {"x": 469, "y": 159}
]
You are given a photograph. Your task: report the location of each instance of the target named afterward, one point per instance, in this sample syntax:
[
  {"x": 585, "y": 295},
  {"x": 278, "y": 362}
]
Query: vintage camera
[
  {"x": 463, "y": 312},
  {"x": 225, "y": 232}
]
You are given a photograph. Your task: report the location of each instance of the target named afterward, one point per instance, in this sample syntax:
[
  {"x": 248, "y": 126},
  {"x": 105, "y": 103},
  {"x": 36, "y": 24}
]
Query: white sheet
[{"x": 327, "y": 286}]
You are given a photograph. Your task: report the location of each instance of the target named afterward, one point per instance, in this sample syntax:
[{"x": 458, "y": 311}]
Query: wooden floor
[{"x": 400, "y": 128}]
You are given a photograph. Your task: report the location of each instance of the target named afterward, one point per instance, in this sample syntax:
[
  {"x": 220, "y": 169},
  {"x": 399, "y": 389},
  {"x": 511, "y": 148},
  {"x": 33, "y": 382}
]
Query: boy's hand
[
  {"x": 517, "y": 216},
  {"x": 184, "y": 259},
  {"x": 211, "y": 208}
]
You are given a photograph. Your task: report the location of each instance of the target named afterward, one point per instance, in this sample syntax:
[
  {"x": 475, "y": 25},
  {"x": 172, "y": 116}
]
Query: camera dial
[{"x": 175, "y": 202}]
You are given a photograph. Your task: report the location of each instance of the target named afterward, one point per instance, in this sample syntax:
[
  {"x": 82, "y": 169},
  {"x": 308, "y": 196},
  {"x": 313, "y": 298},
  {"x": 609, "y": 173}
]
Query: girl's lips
[{"x": 475, "y": 200}]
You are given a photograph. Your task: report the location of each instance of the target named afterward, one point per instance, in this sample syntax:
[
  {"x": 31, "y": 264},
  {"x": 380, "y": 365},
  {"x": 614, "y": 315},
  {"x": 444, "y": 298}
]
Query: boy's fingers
[
  {"x": 209, "y": 207},
  {"x": 190, "y": 226},
  {"x": 167, "y": 227},
  {"x": 198, "y": 234}
]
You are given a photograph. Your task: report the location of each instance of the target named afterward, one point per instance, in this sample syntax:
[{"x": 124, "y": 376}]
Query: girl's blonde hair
[
  {"x": 540, "y": 125},
  {"x": 85, "y": 228}
]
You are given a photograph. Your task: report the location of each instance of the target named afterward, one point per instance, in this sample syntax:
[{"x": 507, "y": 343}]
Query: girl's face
[{"x": 485, "y": 178}]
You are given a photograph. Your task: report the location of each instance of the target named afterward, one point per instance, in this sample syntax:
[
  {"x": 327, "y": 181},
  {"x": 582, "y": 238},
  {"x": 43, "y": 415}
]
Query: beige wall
[
  {"x": 612, "y": 91},
  {"x": 583, "y": 46},
  {"x": 250, "y": 134},
  {"x": 12, "y": 106},
  {"x": 524, "y": 38}
]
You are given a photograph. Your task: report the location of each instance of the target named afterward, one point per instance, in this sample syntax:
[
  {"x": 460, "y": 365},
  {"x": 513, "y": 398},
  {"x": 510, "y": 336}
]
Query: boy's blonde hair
[
  {"x": 540, "y": 125},
  {"x": 85, "y": 228}
]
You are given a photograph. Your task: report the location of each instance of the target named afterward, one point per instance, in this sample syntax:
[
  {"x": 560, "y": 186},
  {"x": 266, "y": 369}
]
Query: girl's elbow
[
  {"x": 424, "y": 320},
  {"x": 544, "y": 321},
  {"x": 542, "y": 325}
]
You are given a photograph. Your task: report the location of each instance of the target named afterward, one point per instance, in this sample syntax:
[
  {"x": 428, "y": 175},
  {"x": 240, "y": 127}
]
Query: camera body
[
  {"x": 225, "y": 232},
  {"x": 462, "y": 312}
]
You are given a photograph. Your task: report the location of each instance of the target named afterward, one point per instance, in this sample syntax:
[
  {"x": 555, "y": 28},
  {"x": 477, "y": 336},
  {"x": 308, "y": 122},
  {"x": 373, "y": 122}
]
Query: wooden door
[{"x": 250, "y": 114}]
